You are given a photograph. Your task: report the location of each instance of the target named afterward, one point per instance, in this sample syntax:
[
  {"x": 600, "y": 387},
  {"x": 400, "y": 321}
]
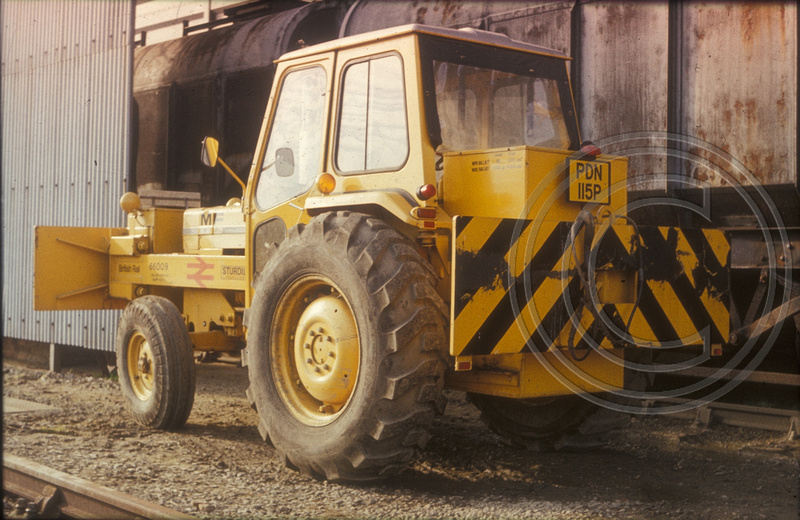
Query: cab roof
[{"x": 465, "y": 34}]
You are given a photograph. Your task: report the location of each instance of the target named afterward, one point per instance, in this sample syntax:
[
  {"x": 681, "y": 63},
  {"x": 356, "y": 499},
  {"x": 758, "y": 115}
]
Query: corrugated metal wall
[{"x": 66, "y": 91}]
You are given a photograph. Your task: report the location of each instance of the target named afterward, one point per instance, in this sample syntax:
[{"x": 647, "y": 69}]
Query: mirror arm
[{"x": 236, "y": 177}]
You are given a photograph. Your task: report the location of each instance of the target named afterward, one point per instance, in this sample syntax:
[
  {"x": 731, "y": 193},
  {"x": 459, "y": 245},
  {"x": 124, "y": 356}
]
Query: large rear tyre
[
  {"x": 155, "y": 363},
  {"x": 345, "y": 349},
  {"x": 546, "y": 423}
]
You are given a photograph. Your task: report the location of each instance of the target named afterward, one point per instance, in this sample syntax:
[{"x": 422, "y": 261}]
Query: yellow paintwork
[
  {"x": 368, "y": 40},
  {"x": 179, "y": 270},
  {"x": 521, "y": 182},
  {"x": 126, "y": 245},
  {"x": 314, "y": 350},
  {"x": 326, "y": 350},
  {"x": 216, "y": 341},
  {"x": 71, "y": 268},
  {"x": 203, "y": 258},
  {"x": 130, "y": 202},
  {"x": 141, "y": 366},
  {"x": 162, "y": 227},
  {"x": 212, "y": 230},
  {"x": 207, "y": 310},
  {"x": 528, "y": 375},
  {"x": 614, "y": 286}
]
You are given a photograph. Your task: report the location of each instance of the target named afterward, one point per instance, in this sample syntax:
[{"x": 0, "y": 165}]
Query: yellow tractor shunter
[{"x": 420, "y": 214}]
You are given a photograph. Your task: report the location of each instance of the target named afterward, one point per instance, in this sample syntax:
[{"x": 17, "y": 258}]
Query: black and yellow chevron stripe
[{"x": 516, "y": 287}]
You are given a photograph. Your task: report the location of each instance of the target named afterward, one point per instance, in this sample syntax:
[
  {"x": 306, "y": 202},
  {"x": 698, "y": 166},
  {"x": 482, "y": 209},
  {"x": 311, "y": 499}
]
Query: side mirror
[
  {"x": 284, "y": 162},
  {"x": 210, "y": 156},
  {"x": 210, "y": 151}
]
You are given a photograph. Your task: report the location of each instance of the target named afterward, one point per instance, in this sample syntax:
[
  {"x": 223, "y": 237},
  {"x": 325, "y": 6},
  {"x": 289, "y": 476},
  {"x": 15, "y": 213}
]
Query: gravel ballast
[{"x": 217, "y": 466}]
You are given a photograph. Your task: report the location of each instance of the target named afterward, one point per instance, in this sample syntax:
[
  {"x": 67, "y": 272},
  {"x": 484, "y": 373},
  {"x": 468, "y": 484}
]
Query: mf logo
[{"x": 207, "y": 219}]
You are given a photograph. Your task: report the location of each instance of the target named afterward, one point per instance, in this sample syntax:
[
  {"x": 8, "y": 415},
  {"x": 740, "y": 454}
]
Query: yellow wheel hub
[
  {"x": 326, "y": 351},
  {"x": 141, "y": 366},
  {"x": 314, "y": 348}
]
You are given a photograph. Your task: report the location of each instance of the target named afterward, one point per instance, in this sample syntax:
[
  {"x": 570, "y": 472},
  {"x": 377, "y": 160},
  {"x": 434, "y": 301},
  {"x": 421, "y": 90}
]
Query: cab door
[{"x": 290, "y": 154}]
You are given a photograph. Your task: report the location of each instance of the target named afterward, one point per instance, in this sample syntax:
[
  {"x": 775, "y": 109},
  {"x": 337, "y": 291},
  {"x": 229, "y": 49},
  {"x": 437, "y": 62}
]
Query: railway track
[
  {"x": 746, "y": 416},
  {"x": 46, "y": 493},
  {"x": 774, "y": 418}
]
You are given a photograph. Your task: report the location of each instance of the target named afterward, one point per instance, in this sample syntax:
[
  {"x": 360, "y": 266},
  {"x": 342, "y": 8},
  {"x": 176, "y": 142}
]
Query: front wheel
[
  {"x": 155, "y": 363},
  {"x": 345, "y": 348}
]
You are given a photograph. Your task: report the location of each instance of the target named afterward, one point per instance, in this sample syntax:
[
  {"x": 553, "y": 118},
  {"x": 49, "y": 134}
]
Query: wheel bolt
[
  {"x": 307, "y": 345},
  {"x": 309, "y": 361},
  {"x": 326, "y": 367},
  {"x": 317, "y": 370},
  {"x": 331, "y": 354}
]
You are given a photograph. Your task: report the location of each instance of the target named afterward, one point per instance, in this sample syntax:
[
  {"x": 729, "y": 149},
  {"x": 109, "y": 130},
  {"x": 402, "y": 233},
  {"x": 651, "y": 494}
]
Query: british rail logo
[{"x": 200, "y": 275}]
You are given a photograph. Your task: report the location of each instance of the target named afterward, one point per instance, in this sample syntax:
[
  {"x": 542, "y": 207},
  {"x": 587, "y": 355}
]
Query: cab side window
[
  {"x": 294, "y": 149},
  {"x": 373, "y": 131}
]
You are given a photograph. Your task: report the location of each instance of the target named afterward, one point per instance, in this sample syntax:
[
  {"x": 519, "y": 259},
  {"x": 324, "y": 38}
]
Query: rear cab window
[
  {"x": 372, "y": 130},
  {"x": 488, "y": 98}
]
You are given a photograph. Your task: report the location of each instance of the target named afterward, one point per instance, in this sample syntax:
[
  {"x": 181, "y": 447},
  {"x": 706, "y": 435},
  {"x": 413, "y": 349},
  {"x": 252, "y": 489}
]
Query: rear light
[
  {"x": 426, "y": 191},
  {"x": 591, "y": 149},
  {"x": 425, "y": 213},
  {"x": 426, "y": 216},
  {"x": 463, "y": 364}
]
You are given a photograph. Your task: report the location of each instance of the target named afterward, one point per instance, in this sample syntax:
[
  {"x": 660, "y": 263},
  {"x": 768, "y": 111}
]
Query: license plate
[{"x": 589, "y": 181}]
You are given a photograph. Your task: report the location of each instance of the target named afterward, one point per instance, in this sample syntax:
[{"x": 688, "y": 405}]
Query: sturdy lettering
[{"x": 232, "y": 271}]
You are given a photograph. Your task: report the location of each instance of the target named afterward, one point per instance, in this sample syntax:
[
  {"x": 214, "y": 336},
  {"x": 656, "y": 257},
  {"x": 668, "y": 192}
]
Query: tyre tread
[
  {"x": 161, "y": 323},
  {"x": 412, "y": 369}
]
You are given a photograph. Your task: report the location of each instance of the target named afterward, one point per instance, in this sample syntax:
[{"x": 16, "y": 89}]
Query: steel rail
[
  {"x": 55, "y": 494},
  {"x": 757, "y": 417},
  {"x": 756, "y": 376}
]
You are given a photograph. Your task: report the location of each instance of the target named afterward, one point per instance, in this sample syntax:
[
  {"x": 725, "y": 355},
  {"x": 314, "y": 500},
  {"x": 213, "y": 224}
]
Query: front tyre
[
  {"x": 345, "y": 348},
  {"x": 155, "y": 363}
]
